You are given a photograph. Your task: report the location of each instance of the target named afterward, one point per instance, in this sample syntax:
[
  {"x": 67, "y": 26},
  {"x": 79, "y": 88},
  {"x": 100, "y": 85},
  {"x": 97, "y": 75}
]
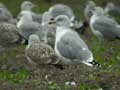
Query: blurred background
[
  {"x": 107, "y": 54},
  {"x": 43, "y": 5}
]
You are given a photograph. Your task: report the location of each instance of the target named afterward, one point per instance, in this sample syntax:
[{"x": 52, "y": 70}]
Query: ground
[{"x": 16, "y": 74}]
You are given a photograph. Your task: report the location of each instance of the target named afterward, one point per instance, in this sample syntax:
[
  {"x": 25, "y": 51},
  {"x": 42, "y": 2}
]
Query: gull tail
[
  {"x": 118, "y": 32},
  {"x": 93, "y": 64}
]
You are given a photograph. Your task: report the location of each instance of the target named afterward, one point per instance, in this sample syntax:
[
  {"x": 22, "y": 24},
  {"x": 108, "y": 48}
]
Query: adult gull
[
  {"x": 61, "y": 9},
  {"x": 69, "y": 45},
  {"x": 27, "y": 27},
  {"x": 113, "y": 11},
  {"x": 27, "y": 6},
  {"x": 103, "y": 26}
]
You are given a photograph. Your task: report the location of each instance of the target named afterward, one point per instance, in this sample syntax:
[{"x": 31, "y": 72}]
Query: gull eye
[
  {"x": 52, "y": 19},
  {"x": 50, "y": 23}
]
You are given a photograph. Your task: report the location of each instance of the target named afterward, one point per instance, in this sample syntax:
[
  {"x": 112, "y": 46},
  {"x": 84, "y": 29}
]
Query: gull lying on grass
[
  {"x": 38, "y": 52},
  {"x": 8, "y": 34}
]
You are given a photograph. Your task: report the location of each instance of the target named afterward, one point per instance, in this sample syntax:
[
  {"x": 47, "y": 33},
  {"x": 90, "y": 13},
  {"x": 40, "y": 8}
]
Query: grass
[
  {"x": 14, "y": 78},
  {"x": 106, "y": 53}
]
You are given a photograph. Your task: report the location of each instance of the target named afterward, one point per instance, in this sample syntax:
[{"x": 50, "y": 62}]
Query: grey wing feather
[
  {"x": 37, "y": 17},
  {"x": 107, "y": 27},
  {"x": 72, "y": 47},
  {"x": 26, "y": 30}
]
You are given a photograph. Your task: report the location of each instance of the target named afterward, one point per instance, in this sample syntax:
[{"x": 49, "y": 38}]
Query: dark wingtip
[{"x": 95, "y": 64}]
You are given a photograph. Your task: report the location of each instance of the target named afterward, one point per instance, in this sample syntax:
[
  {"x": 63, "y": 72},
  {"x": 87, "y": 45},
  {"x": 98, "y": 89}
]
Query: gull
[
  {"x": 51, "y": 30},
  {"x": 38, "y": 52},
  {"x": 69, "y": 45},
  {"x": 113, "y": 11},
  {"x": 90, "y": 6},
  {"x": 27, "y": 27},
  {"x": 27, "y": 6},
  {"x": 104, "y": 27},
  {"x": 61, "y": 9}
]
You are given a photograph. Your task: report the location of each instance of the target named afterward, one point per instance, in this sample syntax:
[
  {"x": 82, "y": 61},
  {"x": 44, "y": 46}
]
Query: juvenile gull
[
  {"x": 27, "y": 27},
  {"x": 69, "y": 45},
  {"x": 61, "y": 9},
  {"x": 37, "y": 52},
  {"x": 8, "y": 34},
  {"x": 27, "y": 6},
  {"x": 104, "y": 27},
  {"x": 112, "y": 9}
]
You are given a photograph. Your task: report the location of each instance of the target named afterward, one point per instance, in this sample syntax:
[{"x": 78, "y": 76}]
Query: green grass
[
  {"x": 14, "y": 78},
  {"x": 100, "y": 50}
]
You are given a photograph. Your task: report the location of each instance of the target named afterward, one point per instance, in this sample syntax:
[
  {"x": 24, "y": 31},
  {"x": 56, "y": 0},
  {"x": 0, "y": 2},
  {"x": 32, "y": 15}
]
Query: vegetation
[{"x": 15, "y": 72}]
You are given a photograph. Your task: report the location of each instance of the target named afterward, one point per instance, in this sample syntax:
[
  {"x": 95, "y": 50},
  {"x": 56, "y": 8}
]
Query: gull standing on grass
[
  {"x": 103, "y": 26},
  {"x": 27, "y": 6},
  {"x": 27, "y": 27},
  {"x": 69, "y": 45}
]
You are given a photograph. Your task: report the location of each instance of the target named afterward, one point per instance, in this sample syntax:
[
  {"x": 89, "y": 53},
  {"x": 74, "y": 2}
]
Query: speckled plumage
[
  {"x": 8, "y": 34},
  {"x": 40, "y": 53}
]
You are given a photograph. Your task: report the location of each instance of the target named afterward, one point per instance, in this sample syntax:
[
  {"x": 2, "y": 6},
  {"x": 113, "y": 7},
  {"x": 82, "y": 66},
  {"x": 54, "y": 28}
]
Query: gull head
[
  {"x": 27, "y": 5},
  {"x": 90, "y": 6},
  {"x": 61, "y": 21},
  {"x": 109, "y": 6},
  {"x": 98, "y": 11},
  {"x": 33, "y": 39},
  {"x": 46, "y": 18}
]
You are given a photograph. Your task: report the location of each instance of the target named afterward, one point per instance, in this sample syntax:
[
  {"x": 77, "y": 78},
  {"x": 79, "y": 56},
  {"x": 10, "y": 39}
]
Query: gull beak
[{"x": 51, "y": 23}]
